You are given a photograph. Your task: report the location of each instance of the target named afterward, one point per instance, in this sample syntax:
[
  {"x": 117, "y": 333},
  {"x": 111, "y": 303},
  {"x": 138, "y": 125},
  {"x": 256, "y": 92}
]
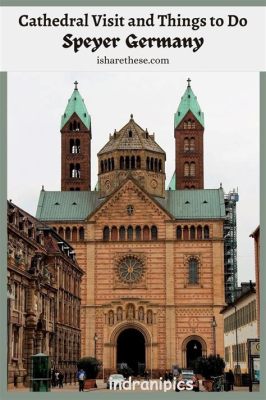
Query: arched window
[
  {"x": 154, "y": 233},
  {"x": 185, "y": 232},
  {"x": 130, "y": 233},
  {"x": 112, "y": 163},
  {"x": 130, "y": 134},
  {"x": 192, "y": 169},
  {"x": 54, "y": 228},
  {"x": 138, "y": 162},
  {"x": 74, "y": 234},
  {"x": 81, "y": 233},
  {"x": 179, "y": 232},
  {"x": 192, "y": 144},
  {"x": 138, "y": 232},
  {"x": 122, "y": 163},
  {"x": 68, "y": 234},
  {"x": 109, "y": 164},
  {"x": 105, "y": 165},
  {"x": 160, "y": 166},
  {"x": 70, "y": 126},
  {"x": 206, "y": 232},
  {"x": 185, "y": 125},
  {"x": 148, "y": 163},
  {"x": 61, "y": 232},
  {"x": 186, "y": 169},
  {"x": 127, "y": 162},
  {"x": 133, "y": 162},
  {"x": 75, "y": 125},
  {"x": 199, "y": 232},
  {"x": 146, "y": 233},
  {"x": 152, "y": 164},
  {"x": 102, "y": 166},
  {"x": 156, "y": 165},
  {"x": 192, "y": 232},
  {"x": 189, "y": 124},
  {"x": 193, "y": 124},
  {"x": 114, "y": 233},
  {"x": 122, "y": 233},
  {"x": 193, "y": 271},
  {"x": 186, "y": 144},
  {"x": 106, "y": 233}
]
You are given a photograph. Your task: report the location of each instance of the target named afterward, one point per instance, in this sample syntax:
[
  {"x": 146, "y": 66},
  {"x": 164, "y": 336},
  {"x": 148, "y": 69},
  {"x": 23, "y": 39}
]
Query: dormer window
[{"x": 130, "y": 134}]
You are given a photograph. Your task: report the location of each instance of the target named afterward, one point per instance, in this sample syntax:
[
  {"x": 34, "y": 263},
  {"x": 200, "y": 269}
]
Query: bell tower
[
  {"x": 75, "y": 144},
  {"x": 189, "y": 129}
]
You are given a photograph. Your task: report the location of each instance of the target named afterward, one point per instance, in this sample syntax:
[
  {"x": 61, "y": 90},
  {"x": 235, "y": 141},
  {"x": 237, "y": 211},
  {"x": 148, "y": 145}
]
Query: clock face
[{"x": 130, "y": 269}]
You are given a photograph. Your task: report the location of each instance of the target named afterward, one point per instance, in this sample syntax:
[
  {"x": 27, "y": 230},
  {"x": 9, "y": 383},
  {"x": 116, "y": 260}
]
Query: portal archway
[
  {"x": 192, "y": 348},
  {"x": 131, "y": 350}
]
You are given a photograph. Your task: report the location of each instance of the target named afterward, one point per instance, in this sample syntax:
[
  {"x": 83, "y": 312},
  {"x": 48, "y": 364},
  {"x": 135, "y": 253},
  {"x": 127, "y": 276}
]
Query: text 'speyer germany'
[{"x": 132, "y": 41}]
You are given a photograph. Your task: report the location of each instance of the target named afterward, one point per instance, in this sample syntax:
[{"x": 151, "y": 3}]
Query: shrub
[
  {"x": 210, "y": 366},
  {"x": 90, "y": 365}
]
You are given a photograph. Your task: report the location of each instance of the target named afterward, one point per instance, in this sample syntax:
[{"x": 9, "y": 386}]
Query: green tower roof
[
  {"x": 189, "y": 102},
  {"x": 76, "y": 105}
]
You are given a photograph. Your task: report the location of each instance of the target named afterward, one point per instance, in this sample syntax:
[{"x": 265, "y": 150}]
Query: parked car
[
  {"x": 185, "y": 376},
  {"x": 115, "y": 381}
]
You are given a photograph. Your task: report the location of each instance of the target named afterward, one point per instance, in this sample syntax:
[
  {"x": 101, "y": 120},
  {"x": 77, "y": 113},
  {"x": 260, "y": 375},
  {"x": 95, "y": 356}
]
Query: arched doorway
[
  {"x": 131, "y": 350},
  {"x": 193, "y": 350}
]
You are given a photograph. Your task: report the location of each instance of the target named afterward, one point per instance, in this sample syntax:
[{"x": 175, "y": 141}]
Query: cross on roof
[
  {"x": 188, "y": 82},
  {"x": 76, "y": 85}
]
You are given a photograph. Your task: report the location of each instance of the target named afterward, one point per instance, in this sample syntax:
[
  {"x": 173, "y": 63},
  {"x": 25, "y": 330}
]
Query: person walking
[
  {"x": 56, "y": 378},
  {"x": 60, "y": 379},
  {"x": 81, "y": 378},
  {"x": 230, "y": 379}
]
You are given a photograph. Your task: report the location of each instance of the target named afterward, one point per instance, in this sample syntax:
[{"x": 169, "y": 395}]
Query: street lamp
[
  {"x": 95, "y": 341},
  {"x": 237, "y": 369},
  {"x": 214, "y": 324}
]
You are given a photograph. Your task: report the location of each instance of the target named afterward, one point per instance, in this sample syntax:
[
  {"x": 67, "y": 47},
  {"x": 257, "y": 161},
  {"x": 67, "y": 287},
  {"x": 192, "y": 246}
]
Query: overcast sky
[{"x": 230, "y": 102}]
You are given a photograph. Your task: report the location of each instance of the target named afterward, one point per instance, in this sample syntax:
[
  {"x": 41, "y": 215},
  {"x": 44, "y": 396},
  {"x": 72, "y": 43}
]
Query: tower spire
[
  {"x": 76, "y": 85},
  {"x": 188, "y": 82}
]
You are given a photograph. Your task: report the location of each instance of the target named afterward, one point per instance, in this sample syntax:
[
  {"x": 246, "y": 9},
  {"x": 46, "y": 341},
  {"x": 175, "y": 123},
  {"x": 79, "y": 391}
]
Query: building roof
[
  {"x": 181, "y": 204},
  {"x": 131, "y": 137},
  {"x": 188, "y": 103},
  {"x": 76, "y": 105},
  {"x": 66, "y": 206},
  {"x": 245, "y": 290},
  {"x": 194, "y": 204}
]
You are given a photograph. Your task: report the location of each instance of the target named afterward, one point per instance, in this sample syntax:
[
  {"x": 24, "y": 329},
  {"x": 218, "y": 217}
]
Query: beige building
[
  {"x": 153, "y": 258},
  {"x": 240, "y": 324}
]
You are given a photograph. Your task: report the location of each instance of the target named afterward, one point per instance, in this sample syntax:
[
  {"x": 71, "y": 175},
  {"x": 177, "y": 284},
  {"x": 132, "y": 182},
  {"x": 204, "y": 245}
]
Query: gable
[{"x": 116, "y": 208}]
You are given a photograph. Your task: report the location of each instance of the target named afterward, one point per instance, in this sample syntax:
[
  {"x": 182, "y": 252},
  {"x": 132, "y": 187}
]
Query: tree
[
  {"x": 210, "y": 366},
  {"x": 90, "y": 365}
]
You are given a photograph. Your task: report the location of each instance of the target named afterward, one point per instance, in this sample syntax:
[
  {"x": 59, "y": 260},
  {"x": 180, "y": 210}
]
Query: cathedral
[{"x": 153, "y": 259}]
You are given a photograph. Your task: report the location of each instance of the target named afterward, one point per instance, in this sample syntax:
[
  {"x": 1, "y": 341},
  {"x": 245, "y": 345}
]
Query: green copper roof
[
  {"x": 66, "y": 206},
  {"x": 76, "y": 105},
  {"x": 171, "y": 185},
  {"x": 194, "y": 204},
  {"x": 181, "y": 204},
  {"x": 189, "y": 102}
]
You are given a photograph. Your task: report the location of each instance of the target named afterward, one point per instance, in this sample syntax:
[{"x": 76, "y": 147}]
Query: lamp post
[
  {"x": 214, "y": 324},
  {"x": 95, "y": 341},
  {"x": 237, "y": 353}
]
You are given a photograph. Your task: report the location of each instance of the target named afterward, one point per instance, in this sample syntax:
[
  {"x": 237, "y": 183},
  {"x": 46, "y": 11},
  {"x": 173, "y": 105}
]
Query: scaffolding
[{"x": 230, "y": 246}]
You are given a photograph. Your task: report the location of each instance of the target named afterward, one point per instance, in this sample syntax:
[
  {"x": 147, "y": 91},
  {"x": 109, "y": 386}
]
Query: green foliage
[
  {"x": 210, "y": 366},
  {"x": 90, "y": 365}
]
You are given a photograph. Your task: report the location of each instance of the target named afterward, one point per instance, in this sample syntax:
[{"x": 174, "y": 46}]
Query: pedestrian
[
  {"x": 81, "y": 378},
  {"x": 195, "y": 383},
  {"x": 230, "y": 379},
  {"x": 60, "y": 379},
  {"x": 53, "y": 378},
  {"x": 166, "y": 376},
  {"x": 56, "y": 378},
  {"x": 170, "y": 376}
]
